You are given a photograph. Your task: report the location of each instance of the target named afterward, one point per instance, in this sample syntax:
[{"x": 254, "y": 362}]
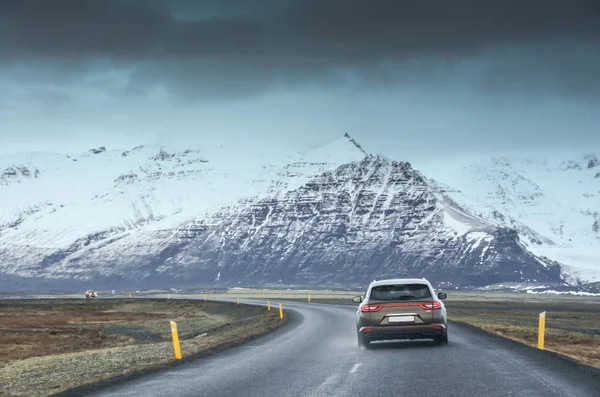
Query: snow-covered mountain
[
  {"x": 553, "y": 203},
  {"x": 366, "y": 219},
  {"x": 335, "y": 216}
]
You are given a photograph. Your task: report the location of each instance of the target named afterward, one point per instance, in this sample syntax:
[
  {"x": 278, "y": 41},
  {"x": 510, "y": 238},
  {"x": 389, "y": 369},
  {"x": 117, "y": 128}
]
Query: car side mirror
[
  {"x": 357, "y": 299},
  {"x": 442, "y": 295}
]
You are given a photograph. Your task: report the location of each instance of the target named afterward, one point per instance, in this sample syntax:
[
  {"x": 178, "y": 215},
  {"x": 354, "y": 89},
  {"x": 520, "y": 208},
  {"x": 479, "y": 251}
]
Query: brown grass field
[
  {"x": 572, "y": 327},
  {"x": 51, "y": 345}
]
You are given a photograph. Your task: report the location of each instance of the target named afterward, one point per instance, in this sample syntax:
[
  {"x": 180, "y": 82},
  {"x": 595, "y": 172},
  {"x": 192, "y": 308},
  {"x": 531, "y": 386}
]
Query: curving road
[{"x": 316, "y": 355}]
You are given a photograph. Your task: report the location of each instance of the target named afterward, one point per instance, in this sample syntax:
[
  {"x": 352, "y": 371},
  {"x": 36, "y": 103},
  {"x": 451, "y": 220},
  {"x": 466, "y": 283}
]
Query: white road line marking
[
  {"x": 328, "y": 384},
  {"x": 355, "y": 368}
]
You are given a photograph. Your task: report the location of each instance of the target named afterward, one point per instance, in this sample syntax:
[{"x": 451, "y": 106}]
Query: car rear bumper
[{"x": 413, "y": 331}]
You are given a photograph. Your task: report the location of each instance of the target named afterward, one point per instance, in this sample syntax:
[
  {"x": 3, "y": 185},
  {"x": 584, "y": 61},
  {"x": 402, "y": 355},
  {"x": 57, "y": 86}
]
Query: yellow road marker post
[
  {"x": 542, "y": 330},
  {"x": 238, "y": 301},
  {"x": 269, "y": 305},
  {"x": 204, "y": 298},
  {"x": 280, "y": 311},
  {"x": 176, "y": 346},
  {"x": 308, "y": 298},
  {"x": 169, "y": 296}
]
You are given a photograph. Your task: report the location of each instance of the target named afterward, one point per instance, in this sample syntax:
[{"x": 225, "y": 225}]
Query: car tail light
[
  {"x": 376, "y": 308},
  {"x": 367, "y": 330},
  {"x": 431, "y": 306},
  {"x": 371, "y": 308},
  {"x": 438, "y": 327}
]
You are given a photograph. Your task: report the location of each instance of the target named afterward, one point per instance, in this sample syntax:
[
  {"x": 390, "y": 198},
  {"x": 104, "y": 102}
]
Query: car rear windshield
[{"x": 400, "y": 292}]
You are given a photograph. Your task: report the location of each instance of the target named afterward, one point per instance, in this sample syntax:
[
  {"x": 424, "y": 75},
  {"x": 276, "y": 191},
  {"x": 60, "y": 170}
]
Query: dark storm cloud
[{"x": 229, "y": 46}]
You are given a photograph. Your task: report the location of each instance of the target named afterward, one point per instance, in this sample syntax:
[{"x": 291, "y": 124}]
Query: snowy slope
[
  {"x": 51, "y": 202},
  {"x": 123, "y": 189},
  {"x": 77, "y": 195},
  {"x": 553, "y": 203}
]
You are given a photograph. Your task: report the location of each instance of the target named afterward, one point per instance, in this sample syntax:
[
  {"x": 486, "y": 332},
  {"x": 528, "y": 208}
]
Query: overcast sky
[{"x": 407, "y": 78}]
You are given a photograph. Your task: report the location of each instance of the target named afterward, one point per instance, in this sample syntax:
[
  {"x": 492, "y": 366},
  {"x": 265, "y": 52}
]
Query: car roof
[{"x": 400, "y": 281}]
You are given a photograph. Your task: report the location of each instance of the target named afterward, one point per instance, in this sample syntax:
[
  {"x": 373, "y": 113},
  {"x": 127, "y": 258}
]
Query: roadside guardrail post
[
  {"x": 280, "y": 311},
  {"x": 176, "y": 346},
  {"x": 542, "y": 330}
]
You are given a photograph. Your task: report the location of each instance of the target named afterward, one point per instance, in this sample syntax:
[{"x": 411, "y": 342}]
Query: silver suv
[{"x": 401, "y": 309}]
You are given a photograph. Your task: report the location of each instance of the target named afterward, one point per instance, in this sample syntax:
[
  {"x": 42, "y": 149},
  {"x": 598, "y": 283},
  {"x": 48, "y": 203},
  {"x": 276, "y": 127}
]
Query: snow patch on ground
[
  {"x": 454, "y": 224},
  {"x": 552, "y": 292},
  {"x": 478, "y": 236},
  {"x": 461, "y": 222}
]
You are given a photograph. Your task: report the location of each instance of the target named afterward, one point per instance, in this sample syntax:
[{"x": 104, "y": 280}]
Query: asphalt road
[{"x": 316, "y": 354}]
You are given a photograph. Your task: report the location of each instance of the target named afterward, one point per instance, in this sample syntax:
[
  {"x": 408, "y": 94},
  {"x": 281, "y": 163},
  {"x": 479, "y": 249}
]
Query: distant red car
[{"x": 91, "y": 294}]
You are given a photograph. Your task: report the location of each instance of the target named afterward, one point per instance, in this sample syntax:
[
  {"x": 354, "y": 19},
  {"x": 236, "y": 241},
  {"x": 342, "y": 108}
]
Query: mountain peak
[
  {"x": 337, "y": 152},
  {"x": 346, "y": 135}
]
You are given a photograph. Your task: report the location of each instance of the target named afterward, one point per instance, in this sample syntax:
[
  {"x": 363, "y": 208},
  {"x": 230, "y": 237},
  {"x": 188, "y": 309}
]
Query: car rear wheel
[
  {"x": 363, "y": 343},
  {"x": 441, "y": 340}
]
